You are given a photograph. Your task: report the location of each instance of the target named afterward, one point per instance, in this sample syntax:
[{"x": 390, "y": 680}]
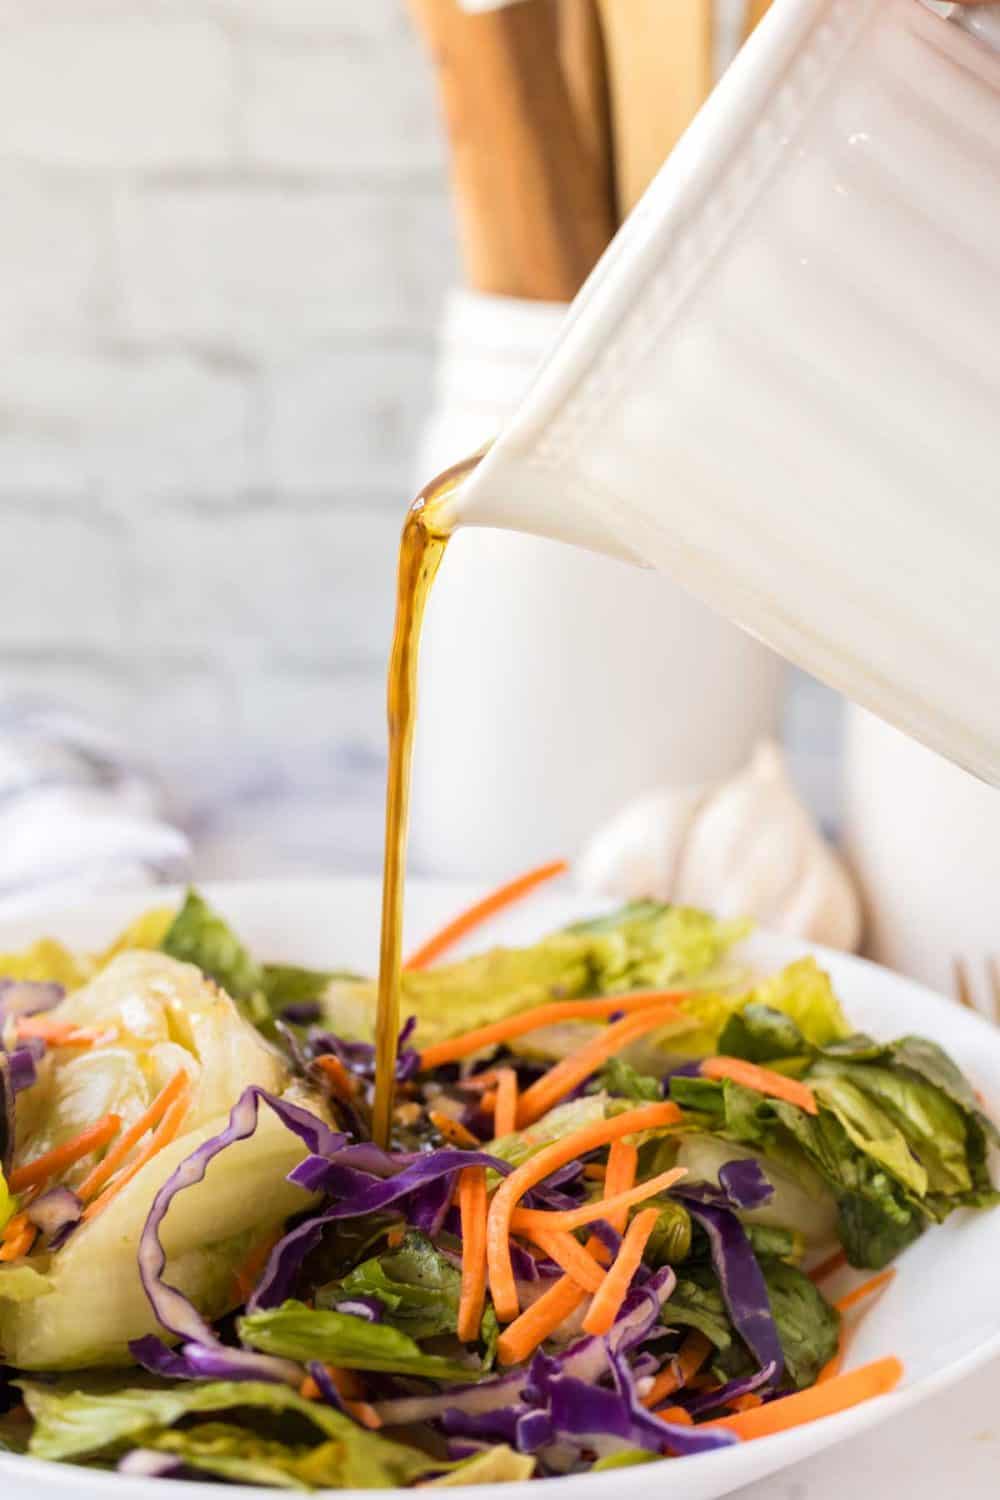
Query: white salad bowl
[{"x": 940, "y": 1316}]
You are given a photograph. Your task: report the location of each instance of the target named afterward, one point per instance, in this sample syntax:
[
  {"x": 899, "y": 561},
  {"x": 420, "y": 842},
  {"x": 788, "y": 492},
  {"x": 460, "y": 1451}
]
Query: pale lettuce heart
[{"x": 161, "y": 1015}]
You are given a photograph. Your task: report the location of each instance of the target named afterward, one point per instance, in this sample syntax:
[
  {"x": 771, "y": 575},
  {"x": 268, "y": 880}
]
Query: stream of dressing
[{"x": 420, "y": 551}]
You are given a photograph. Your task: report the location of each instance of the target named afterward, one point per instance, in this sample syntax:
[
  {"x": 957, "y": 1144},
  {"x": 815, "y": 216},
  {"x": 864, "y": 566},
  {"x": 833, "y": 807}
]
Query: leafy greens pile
[{"x": 284, "y": 1300}]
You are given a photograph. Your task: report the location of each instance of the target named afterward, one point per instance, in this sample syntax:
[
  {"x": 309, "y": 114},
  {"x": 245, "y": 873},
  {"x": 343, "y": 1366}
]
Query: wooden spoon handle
[
  {"x": 660, "y": 66},
  {"x": 532, "y": 217}
]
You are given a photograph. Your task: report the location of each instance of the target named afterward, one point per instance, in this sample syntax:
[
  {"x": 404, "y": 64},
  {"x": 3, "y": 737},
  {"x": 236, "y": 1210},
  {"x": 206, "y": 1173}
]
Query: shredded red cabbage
[
  {"x": 173, "y": 1310},
  {"x": 706, "y": 1401},
  {"x": 55, "y": 1210}
]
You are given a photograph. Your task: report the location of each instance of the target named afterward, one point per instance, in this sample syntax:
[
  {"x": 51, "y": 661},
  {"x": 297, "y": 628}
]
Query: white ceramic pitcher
[{"x": 782, "y": 382}]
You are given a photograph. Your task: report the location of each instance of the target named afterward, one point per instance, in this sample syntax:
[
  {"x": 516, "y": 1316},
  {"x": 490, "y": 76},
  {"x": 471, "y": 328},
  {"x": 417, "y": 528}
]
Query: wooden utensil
[
  {"x": 660, "y": 69},
  {"x": 584, "y": 65},
  {"x": 532, "y": 215},
  {"x": 755, "y": 12}
]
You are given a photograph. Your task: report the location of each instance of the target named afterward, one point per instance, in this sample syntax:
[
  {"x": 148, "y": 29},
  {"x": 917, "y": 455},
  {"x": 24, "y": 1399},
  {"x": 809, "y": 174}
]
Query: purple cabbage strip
[
  {"x": 359, "y": 1057},
  {"x": 371, "y": 1309},
  {"x": 146, "y": 1463},
  {"x": 525, "y": 1430},
  {"x": 173, "y": 1310},
  {"x": 302, "y": 1013},
  {"x": 745, "y": 1183},
  {"x": 705, "y": 1401},
  {"x": 741, "y": 1280},
  {"x": 55, "y": 1211},
  {"x": 682, "y": 1440},
  {"x": 215, "y": 1361},
  {"x": 23, "y": 1063},
  {"x": 363, "y": 1195},
  {"x": 27, "y": 997},
  {"x": 428, "y": 1207}
]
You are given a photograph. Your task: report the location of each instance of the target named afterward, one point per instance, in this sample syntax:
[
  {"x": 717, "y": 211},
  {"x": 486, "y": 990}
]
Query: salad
[{"x": 624, "y": 1177}]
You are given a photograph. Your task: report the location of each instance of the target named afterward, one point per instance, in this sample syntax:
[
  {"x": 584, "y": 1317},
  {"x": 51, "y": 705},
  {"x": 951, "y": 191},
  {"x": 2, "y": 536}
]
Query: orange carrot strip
[
  {"x": 505, "y": 1111},
  {"x": 571, "y": 1071},
  {"x": 247, "y": 1274},
  {"x": 535, "y": 1170},
  {"x": 833, "y": 1366},
  {"x": 106, "y": 1169},
  {"x": 623, "y": 1163},
  {"x": 457, "y": 1048},
  {"x": 395, "y": 1236},
  {"x": 677, "y": 1415},
  {"x": 608, "y": 1299},
  {"x": 58, "y": 1033},
  {"x": 488, "y": 1101},
  {"x": 834, "y": 1262},
  {"x": 572, "y": 1258},
  {"x": 481, "y": 911},
  {"x": 844, "y": 1391},
  {"x": 339, "y": 1078},
  {"x": 365, "y": 1413},
  {"x": 18, "y": 1244},
  {"x": 748, "y": 1402},
  {"x": 688, "y": 1361},
  {"x": 762, "y": 1081},
  {"x": 453, "y": 1130},
  {"x": 529, "y": 1220},
  {"x": 539, "y": 1321},
  {"x": 472, "y": 1207},
  {"x": 164, "y": 1133},
  {"x": 595, "y": 1171},
  {"x": 57, "y": 1160},
  {"x": 866, "y": 1289}
]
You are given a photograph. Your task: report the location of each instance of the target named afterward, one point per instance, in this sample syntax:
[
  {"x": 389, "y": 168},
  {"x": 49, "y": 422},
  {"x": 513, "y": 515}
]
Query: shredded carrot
[
  {"x": 866, "y": 1289},
  {"x": 18, "y": 1238},
  {"x": 247, "y": 1274},
  {"x": 833, "y": 1366},
  {"x": 536, "y": 1169},
  {"x": 346, "y": 1383},
  {"x": 164, "y": 1133},
  {"x": 608, "y": 1300},
  {"x": 479, "y": 1083},
  {"x": 106, "y": 1169},
  {"x": 395, "y": 1236},
  {"x": 453, "y": 1130},
  {"x": 762, "y": 1081},
  {"x": 472, "y": 1207},
  {"x": 748, "y": 1402},
  {"x": 572, "y": 1258},
  {"x": 56, "y": 1161},
  {"x": 834, "y": 1262},
  {"x": 571, "y": 1071},
  {"x": 488, "y": 1101},
  {"x": 688, "y": 1361},
  {"x": 623, "y": 1163},
  {"x": 364, "y": 1413},
  {"x": 457, "y": 1048},
  {"x": 835, "y": 1395},
  {"x": 529, "y": 1220},
  {"x": 59, "y": 1033},
  {"x": 481, "y": 911},
  {"x": 539, "y": 1321},
  {"x": 595, "y": 1171},
  {"x": 338, "y": 1077},
  {"x": 677, "y": 1415},
  {"x": 505, "y": 1110}
]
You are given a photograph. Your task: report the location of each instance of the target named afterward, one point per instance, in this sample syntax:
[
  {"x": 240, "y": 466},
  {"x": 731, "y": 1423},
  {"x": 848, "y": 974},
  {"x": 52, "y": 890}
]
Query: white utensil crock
[
  {"x": 781, "y": 384},
  {"x": 923, "y": 838},
  {"x": 556, "y": 684}
]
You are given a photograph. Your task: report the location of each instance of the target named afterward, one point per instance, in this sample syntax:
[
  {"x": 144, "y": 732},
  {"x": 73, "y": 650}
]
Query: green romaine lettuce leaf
[
  {"x": 801, "y": 992},
  {"x": 622, "y": 1081},
  {"x": 644, "y": 946},
  {"x": 499, "y": 1465},
  {"x": 761, "y": 1034},
  {"x": 932, "y": 1063},
  {"x": 870, "y": 1129},
  {"x": 295, "y": 1331},
  {"x": 76, "y": 1422},
  {"x": 418, "y": 1287},
  {"x": 808, "y": 1327},
  {"x": 198, "y": 935}
]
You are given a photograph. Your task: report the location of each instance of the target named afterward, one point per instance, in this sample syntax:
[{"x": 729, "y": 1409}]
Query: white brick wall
[{"x": 224, "y": 237}]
